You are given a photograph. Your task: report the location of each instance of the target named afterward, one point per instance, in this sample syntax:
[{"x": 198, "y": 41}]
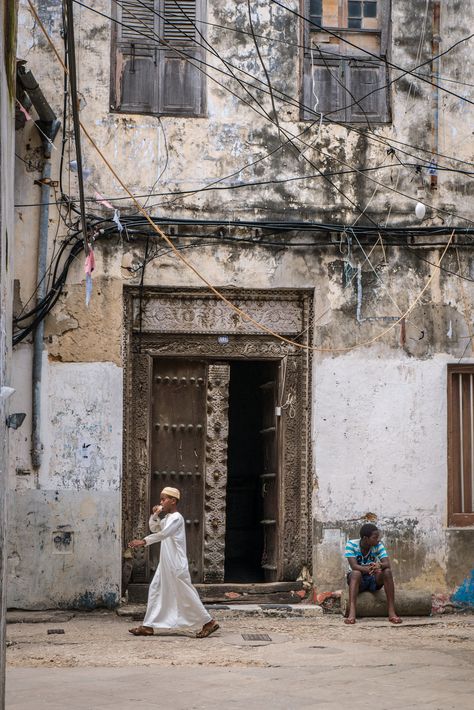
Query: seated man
[{"x": 370, "y": 571}]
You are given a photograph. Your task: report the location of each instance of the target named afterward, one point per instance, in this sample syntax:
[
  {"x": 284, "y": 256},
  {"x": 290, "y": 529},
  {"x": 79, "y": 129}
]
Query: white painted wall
[{"x": 380, "y": 443}]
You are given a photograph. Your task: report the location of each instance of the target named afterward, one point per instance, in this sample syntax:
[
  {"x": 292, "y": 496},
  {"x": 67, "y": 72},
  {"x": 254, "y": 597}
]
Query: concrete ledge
[
  {"x": 407, "y": 603},
  {"x": 19, "y": 616}
]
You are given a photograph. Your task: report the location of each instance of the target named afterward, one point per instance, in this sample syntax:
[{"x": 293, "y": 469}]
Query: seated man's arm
[
  {"x": 383, "y": 558},
  {"x": 356, "y": 567}
]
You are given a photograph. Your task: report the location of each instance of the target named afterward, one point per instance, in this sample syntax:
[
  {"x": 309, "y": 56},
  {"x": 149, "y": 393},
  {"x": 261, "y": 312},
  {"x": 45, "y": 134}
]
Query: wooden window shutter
[
  {"x": 182, "y": 79},
  {"x": 369, "y": 80},
  {"x": 350, "y": 89},
  {"x": 136, "y": 70},
  {"x": 156, "y": 57},
  {"x": 460, "y": 445},
  {"x": 322, "y": 90}
]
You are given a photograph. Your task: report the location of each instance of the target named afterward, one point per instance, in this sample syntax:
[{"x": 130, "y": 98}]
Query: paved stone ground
[{"x": 304, "y": 662}]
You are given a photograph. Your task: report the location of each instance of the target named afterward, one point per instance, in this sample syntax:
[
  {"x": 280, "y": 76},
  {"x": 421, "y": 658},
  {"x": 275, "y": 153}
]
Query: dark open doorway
[{"x": 249, "y": 413}]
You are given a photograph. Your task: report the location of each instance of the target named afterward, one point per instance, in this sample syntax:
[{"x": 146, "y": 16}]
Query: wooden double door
[{"x": 215, "y": 433}]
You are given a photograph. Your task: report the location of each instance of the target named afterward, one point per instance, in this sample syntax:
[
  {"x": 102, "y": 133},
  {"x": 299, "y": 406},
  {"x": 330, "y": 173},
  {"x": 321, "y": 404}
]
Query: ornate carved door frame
[{"x": 188, "y": 323}]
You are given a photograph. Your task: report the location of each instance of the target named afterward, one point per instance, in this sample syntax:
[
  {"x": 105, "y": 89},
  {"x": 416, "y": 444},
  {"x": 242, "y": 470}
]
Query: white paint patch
[
  {"x": 84, "y": 435},
  {"x": 380, "y": 435}
]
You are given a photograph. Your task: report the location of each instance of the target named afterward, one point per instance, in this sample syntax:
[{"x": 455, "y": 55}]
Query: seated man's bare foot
[
  {"x": 208, "y": 629},
  {"x": 394, "y": 619},
  {"x": 350, "y": 620}
]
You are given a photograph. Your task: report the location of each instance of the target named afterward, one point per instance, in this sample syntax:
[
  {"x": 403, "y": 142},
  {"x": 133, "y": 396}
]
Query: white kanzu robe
[{"x": 173, "y": 603}]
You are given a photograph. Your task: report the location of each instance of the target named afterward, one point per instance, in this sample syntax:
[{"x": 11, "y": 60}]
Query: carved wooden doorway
[
  {"x": 221, "y": 412},
  {"x": 178, "y": 427}
]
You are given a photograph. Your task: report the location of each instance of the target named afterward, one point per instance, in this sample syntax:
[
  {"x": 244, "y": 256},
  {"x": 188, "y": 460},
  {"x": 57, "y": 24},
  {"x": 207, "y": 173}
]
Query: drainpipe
[
  {"x": 36, "y": 445},
  {"x": 435, "y": 44},
  {"x": 47, "y": 126}
]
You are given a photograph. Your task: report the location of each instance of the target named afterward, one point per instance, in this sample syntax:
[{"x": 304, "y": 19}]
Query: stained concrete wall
[
  {"x": 8, "y": 17},
  {"x": 379, "y": 410},
  {"x": 66, "y": 524}
]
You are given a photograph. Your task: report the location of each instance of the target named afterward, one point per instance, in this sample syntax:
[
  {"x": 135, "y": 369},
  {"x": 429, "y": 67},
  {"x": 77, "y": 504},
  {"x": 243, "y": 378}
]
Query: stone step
[{"x": 271, "y": 592}]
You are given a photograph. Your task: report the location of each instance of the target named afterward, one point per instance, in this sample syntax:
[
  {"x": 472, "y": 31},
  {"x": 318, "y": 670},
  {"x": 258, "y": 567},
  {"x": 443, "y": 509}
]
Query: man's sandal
[
  {"x": 205, "y": 632},
  {"x": 141, "y": 631},
  {"x": 395, "y": 620},
  {"x": 349, "y": 621}
]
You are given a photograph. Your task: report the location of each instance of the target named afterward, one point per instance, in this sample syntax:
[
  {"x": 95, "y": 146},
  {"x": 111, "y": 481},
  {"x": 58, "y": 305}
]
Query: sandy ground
[
  {"x": 102, "y": 639},
  {"x": 96, "y": 664}
]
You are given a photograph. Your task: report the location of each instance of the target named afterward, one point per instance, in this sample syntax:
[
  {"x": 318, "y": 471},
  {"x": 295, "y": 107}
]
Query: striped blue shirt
[{"x": 375, "y": 554}]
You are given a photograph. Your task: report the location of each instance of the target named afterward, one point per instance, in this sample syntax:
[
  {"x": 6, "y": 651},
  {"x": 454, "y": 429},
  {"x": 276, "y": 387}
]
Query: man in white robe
[{"x": 173, "y": 602}]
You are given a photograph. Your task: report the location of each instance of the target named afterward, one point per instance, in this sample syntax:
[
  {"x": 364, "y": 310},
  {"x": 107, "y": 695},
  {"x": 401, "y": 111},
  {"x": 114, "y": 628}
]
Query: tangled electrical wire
[
  {"x": 270, "y": 234},
  {"x": 26, "y": 321}
]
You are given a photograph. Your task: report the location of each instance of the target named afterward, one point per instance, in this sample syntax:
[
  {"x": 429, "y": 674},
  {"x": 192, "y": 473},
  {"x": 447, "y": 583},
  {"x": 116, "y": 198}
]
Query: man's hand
[
  {"x": 137, "y": 543},
  {"x": 157, "y": 509},
  {"x": 374, "y": 567}
]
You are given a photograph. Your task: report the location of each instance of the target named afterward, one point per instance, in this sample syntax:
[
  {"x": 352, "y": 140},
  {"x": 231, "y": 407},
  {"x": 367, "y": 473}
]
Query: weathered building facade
[{"x": 281, "y": 147}]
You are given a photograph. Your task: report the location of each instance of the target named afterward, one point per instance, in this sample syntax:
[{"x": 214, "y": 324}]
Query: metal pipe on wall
[
  {"x": 36, "y": 445},
  {"x": 47, "y": 126}
]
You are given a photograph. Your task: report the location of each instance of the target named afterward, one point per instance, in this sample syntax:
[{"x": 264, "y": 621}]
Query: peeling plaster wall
[
  {"x": 64, "y": 537},
  {"x": 379, "y": 411}
]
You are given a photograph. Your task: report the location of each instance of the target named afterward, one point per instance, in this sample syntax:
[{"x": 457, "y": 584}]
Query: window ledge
[{"x": 469, "y": 528}]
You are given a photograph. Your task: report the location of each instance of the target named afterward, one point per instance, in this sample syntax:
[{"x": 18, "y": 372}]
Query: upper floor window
[
  {"x": 345, "y": 76},
  {"x": 156, "y": 57}
]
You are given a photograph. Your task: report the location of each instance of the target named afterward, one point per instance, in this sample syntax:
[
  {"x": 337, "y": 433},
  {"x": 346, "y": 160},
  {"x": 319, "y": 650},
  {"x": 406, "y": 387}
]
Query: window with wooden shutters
[
  {"x": 460, "y": 445},
  {"x": 157, "y": 57},
  {"x": 340, "y": 80}
]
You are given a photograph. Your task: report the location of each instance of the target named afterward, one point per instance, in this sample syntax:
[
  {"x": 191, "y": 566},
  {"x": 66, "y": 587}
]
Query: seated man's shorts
[{"x": 368, "y": 583}]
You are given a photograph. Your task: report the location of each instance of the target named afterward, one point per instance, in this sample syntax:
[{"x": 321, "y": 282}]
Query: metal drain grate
[{"x": 256, "y": 637}]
